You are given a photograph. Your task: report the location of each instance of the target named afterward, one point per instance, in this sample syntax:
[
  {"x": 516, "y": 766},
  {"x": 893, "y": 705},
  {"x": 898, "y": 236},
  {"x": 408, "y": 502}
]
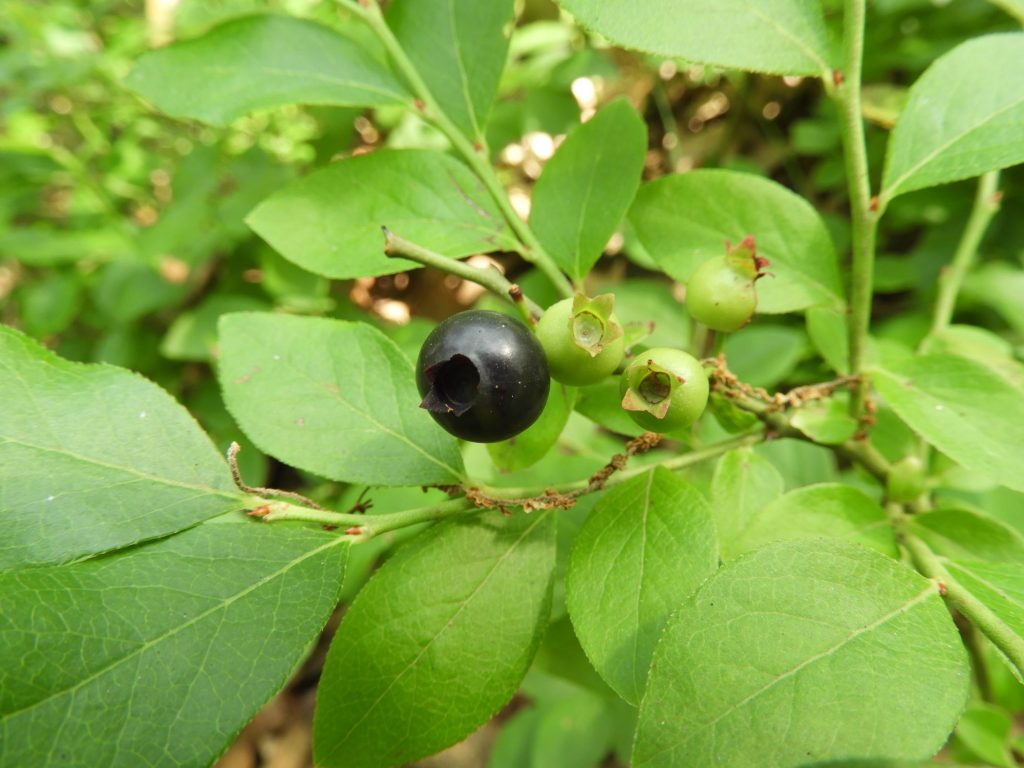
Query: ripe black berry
[{"x": 483, "y": 376}]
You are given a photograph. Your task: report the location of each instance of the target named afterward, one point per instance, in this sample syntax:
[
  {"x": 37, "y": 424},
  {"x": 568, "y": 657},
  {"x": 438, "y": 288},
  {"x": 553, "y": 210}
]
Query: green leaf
[
  {"x": 984, "y": 733},
  {"x": 800, "y": 462},
  {"x": 782, "y": 37},
  {"x": 685, "y": 219},
  {"x": 332, "y": 397},
  {"x": 963, "y": 409},
  {"x": 512, "y": 747},
  {"x": 330, "y": 221},
  {"x": 528, "y": 447},
  {"x": 763, "y": 355},
  {"x": 646, "y": 547},
  {"x": 258, "y": 62},
  {"x": 833, "y": 510},
  {"x": 962, "y": 119},
  {"x": 826, "y": 421},
  {"x": 1000, "y": 586},
  {"x": 93, "y": 458},
  {"x": 193, "y": 334},
  {"x": 436, "y": 642},
  {"x": 459, "y": 49},
  {"x": 572, "y": 733},
  {"x": 961, "y": 534},
  {"x": 804, "y": 651},
  {"x": 159, "y": 654},
  {"x": 743, "y": 484},
  {"x": 602, "y": 404},
  {"x": 586, "y": 188},
  {"x": 983, "y": 346},
  {"x": 827, "y": 329},
  {"x": 998, "y": 285}
]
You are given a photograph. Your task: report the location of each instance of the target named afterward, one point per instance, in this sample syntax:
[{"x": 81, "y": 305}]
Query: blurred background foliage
[{"x": 123, "y": 238}]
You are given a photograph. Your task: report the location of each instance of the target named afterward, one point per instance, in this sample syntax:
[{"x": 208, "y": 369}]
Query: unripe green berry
[
  {"x": 906, "y": 480},
  {"x": 664, "y": 389},
  {"x": 582, "y": 339},
  {"x": 720, "y": 293}
]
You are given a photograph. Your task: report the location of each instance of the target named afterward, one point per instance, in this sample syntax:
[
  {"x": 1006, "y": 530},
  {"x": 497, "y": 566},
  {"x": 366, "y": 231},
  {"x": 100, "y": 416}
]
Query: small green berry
[
  {"x": 582, "y": 339},
  {"x": 664, "y": 389},
  {"x": 720, "y": 293}
]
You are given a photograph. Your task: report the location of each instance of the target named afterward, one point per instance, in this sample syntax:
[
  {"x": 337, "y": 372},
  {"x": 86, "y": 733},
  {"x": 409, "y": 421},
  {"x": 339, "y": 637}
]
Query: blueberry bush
[{"x": 238, "y": 398}]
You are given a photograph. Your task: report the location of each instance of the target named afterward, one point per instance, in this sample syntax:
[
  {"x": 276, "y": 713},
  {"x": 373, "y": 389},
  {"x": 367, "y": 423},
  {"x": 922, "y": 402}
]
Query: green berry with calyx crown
[
  {"x": 582, "y": 339},
  {"x": 721, "y": 293},
  {"x": 664, "y": 389}
]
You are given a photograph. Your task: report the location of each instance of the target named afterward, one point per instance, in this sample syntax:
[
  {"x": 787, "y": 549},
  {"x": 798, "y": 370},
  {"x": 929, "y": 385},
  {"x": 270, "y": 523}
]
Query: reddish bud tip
[
  {"x": 873, "y": 205},
  {"x": 837, "y": 77},
  {"x": 420, "y": 104},
  {"x": 355, "y": 530}
]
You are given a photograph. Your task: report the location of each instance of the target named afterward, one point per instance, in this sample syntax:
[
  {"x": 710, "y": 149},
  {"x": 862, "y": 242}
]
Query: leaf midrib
[{"x": 234, "y": 495}]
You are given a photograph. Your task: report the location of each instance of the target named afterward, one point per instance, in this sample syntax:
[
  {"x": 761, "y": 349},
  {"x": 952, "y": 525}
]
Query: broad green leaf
[
  {"x": 530, "y": 446},
  {"x": 257, "y": 62},
  {"x": 512, "y": 747},
  {"x": 984, "y": 733},
  {"x": 586, "y": 188},
  {"x": 330, "y": 222},
  {"x": 331, "y": 397},
  {"x": 602, "y": 404},
  {"x": 826, "y": 421},
  {"x": 93, "y": 458},
  {"x": 800, "y": 462},
  {"x": 804, "y": 651},
  {"x": 643, "y": 301},
  {"x": 459, "y": 49},
  {"x": 962, "y": 119},
  {"x": 999, "y": 585},
  {"x": 763, "y": 355},
  {"x": 983, "y": 346},
  {"x": 961, "y": 534},
  {"x": 158, "y": 655},
  {"x": 193, "y": 334},
  {"x": 1013, "y": 7},
  {"x": 833, "y": 510},
  {"x": 685, "y": 219},
  {"x": 572, "y": 733},
  {"x": 646, "y": 547},
  {"x": 782, "y": 37},
  {"x": 436, "y": 642},
  {"x": 963, "y": 409},
  {"x": 983, "y": 554},
  {"x": 827, "y": 329},
  {"x": 998, "y": 285},
  {"x": 743, "y": 484}
]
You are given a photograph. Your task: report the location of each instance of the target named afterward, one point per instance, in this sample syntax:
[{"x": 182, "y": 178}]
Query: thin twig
[
  {"x": 491, "y": 279},
  {"x": 986, "y": 205},
  {"x": 236, "y": 475},
  {"x": 864, "y": 211}
]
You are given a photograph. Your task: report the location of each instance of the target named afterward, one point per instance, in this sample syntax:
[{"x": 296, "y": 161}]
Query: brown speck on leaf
[{"x": 244, "y": 378}]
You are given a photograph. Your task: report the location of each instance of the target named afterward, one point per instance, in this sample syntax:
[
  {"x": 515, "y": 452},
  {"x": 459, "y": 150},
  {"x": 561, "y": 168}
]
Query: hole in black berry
[{"x": 453, "y": 386}]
